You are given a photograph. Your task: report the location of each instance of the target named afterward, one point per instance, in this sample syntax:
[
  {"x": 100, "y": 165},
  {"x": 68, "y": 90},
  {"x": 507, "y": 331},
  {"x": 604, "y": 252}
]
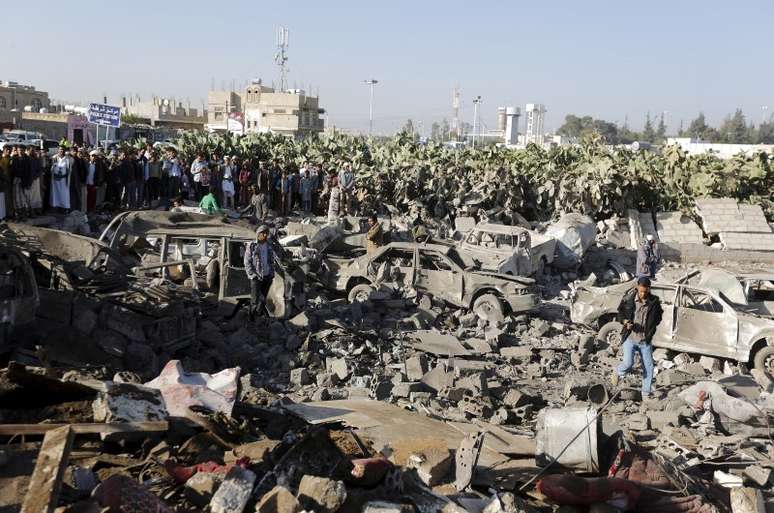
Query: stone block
[
  {"x": 659, "y": 419},
  {"x": 200, "y": 488},
  {"x": 438, "y": 378},
  {"x": 337, "y": 366},
  {"x": 432, "y": 465},
  {"x": 759, "y": 475},
  {"x": 515, "y": 399},
  {"x": 300, "y": 377},
  {"x": 516, "y": 352},
  {"x": 638, "y": 422},
  {"x": 710, "y": 363},
  {"x": 233, "y": 494},
  {"x": 278, "y": 500},
  {"x": 321, "y": 494},
  {"x": 416, "y": 367},
  {"x": 405, "y": 389}
]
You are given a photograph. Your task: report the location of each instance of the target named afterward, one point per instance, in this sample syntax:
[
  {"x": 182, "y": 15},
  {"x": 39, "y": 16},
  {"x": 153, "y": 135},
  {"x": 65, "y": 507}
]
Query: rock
[
  {"x": 475, "y": 382},
  {"x": 638, "y": 422},
  {"x": 758, "y": 475},
  {"x": 747, "y": 500},
  {"x": 514, "y": 399},
  {"x": 300, "y": 377},
  {"x": 200, "y": 488},
  {"x": 673, "y": 377},
  {"x": 659, "y": 419},
  {"x": 337, "y": 366},
  {"x": 278, "y": 500},
  {"x": 233, "y": 494},
  {"x": 405, "y": 389},
  {"x": 321, "y": 394},
  {"x": 321, "y": 494},
  {"x": 438, "y": 378},
  {"x": 416, "y": 367},
  {"x": 710, "y": 363},
  {"x": 257, "y": 451},
  {"x": 112, "y": 343},
  {"x": 432, "y": 465},
  {"x": 300, "y": 321},
  {"x": 660, "y": 354},
  {"x": 85, "y": 321},
  {"x": 694, "y": 369},
  {"x": 141, "y": 358},
  {"x": 517, "y": 352}
]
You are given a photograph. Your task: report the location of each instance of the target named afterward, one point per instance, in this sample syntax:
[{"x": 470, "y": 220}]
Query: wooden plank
[
  {"x": 46, "y": 481},
  {"x": 86, "y": 428}
]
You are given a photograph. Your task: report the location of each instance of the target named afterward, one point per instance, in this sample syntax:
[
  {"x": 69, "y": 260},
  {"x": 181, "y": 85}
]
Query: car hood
[{"x": 506, "y": 277}]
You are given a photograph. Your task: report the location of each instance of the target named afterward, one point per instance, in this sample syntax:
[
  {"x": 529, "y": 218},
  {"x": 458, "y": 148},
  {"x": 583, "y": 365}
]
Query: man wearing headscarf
[{"x": 61, "y": 172}]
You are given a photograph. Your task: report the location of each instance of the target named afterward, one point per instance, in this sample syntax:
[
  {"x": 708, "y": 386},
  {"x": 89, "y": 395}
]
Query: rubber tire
[
  {"x": 611, "y": 329},
  {"x": 490, "y": 307},
  {"x": 213, "y": 276},
  {"x": 359, "y": 293},
  {"x": 760, "y": 360}
]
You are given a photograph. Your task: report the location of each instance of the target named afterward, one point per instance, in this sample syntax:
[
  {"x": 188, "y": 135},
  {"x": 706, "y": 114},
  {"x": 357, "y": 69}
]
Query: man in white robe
[{"x": 61, "y": 171}]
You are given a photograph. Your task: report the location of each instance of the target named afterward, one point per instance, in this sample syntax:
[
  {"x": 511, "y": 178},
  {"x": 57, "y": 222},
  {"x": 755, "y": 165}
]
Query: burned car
[
  {"x": 433, "y": 269},
  {"x": 508, "y": 249},
  {"x": 696, "y": 320},
  {"x": 170, "y": 243},
  {"x": 752, "y": 292}
]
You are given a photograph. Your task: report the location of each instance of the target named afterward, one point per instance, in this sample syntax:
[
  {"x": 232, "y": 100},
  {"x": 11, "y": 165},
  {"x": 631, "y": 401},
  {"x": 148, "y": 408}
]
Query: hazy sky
[{"x": 608, "y": 59}]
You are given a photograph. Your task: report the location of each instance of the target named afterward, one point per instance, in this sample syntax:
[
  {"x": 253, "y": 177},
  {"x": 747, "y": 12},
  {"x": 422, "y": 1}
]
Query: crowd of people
[{"x": 86, "y": 179}]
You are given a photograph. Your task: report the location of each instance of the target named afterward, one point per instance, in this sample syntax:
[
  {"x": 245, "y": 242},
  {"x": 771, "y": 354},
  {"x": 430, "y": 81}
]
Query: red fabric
[
  {"x": 181, "y": 473},
  {"x": 573, "y": 490}
]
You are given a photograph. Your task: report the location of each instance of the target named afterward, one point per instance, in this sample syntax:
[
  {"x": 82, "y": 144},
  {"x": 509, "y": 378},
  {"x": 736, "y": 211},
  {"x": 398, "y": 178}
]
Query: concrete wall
[{"x": 699, "y": 253}]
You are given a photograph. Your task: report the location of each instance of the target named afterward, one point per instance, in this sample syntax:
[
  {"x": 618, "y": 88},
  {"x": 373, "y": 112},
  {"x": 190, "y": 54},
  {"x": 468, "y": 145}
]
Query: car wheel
[
  {"x": 360, "y": 293},
  {"x": 610, "y": 334},
  {"x": 764, "y": 361},
  {"x": 489, "y": 307},
  {"x": 213, "y": 276}
]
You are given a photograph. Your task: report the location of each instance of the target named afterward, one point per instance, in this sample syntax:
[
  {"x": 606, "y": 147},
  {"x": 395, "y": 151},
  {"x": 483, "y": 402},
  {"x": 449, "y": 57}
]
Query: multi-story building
[
  {"x": 22, "y": 97},
  {"x": 262, "y": 109},
  {"x": 165, "y": 112}
]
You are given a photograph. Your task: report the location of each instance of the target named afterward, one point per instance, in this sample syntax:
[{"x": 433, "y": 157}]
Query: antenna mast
[
  {"x": 456, "y": 128},
  {"x": 281, "y": 59}
]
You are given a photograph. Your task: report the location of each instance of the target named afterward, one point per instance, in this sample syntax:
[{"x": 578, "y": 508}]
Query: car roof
[{"x": 412, "y": 245}]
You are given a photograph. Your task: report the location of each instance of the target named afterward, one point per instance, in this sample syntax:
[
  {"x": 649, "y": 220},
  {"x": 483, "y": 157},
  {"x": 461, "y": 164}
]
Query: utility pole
[
  {"x": 476, "y": 101},
  {"x": 371, "y": 82}
]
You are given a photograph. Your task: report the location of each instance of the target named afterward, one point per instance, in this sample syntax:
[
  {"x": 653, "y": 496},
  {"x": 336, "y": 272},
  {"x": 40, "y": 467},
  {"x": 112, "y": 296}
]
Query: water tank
[{"x": 501, "y": 119}]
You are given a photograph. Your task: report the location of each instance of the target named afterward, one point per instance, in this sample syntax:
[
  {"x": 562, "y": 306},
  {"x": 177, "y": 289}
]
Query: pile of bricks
[{"x": 737, "y": 226}]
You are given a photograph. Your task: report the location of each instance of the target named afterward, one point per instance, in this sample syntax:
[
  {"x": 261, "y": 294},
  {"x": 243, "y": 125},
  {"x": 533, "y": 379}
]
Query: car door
[
  {"x": 664, "y": 336},
  {"x": 392, "y": 266},
  {"x": 234, "y": 282},
  {"x": 704, "y": 324},
  {"x": 439, "y": 276}
]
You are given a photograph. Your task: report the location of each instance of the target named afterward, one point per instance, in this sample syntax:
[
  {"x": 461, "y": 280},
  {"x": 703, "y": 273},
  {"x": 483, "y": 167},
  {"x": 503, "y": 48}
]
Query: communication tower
[{"x": 281, "y": 59}]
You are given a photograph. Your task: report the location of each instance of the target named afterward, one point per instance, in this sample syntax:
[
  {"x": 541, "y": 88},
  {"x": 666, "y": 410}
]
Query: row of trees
[{"x": 733, "y": 129}]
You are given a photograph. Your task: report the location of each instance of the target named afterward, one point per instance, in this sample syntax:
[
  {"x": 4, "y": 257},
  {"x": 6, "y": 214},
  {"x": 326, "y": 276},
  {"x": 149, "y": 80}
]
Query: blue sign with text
[{"x": 105, "y": 115}]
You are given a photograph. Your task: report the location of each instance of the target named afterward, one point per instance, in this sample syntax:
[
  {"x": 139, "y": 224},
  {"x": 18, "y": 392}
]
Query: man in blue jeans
[{"x": 640, "y": 313}]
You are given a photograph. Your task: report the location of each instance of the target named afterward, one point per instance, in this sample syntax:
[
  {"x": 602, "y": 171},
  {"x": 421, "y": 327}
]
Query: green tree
[
  {"x": 661, "y": 130},
  {"x": 647, "y": 132},
  {"x": 766, "y": 133},
  {"x": 698, "y": 127},
  {"x": 734, "y": 129}
]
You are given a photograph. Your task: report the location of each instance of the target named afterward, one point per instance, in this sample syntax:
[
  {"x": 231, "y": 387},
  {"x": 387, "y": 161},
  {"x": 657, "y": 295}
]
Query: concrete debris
[{"x": 411, "y": 377}]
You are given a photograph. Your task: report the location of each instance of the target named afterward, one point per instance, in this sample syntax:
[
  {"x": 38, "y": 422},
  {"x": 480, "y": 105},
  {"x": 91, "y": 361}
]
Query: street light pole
[
  {"x": 371, "y": 82},
  {"x": 476, "y": 101}
]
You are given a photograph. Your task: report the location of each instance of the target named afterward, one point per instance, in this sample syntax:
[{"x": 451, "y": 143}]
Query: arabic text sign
[{"x": 105, "y": 115}]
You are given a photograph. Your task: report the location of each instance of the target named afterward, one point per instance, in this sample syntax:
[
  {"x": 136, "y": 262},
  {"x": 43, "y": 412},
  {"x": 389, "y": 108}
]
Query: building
[
  {"x": 721, "y": 150},
  {"x": 262, "y": 109},
  {"x": 15, "y": 96},
  {"x": 59, "y": 125},
  {"x": 534, "y": 114},
  {"x": 164, "y": 113}
]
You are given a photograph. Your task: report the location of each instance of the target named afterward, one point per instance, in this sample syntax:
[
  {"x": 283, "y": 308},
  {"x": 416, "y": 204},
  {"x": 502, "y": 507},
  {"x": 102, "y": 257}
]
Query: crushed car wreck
[
  {"x": 214, "y": 246},
  {"x": 434, "y": 269},
  {"x": 695, "y": 320}
]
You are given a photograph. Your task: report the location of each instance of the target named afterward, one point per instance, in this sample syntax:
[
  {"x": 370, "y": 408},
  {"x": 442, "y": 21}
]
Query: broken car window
[
  {"x": 667, "y": 296},
  {"x": 504, "y": 241},
  {"x": 433, "y": 261},
  {"x": 700, "y": 301}
]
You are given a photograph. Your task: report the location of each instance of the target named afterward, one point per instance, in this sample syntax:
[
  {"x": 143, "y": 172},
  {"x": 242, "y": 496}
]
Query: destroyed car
[
  {"x": 753, "y": 292},
  {"x": 18, "y": 292},
  {"x": 213, "y": 246},
  {"x": 696, "y": 320},
  {"x": 434, "y": 269},
  {"x": 508, "y": 249}
]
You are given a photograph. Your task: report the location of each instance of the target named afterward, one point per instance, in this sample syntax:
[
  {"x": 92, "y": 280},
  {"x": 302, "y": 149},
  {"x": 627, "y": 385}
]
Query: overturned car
[
  {"x": 698, "y": 320},
  {"x": 434, "y": 269}
]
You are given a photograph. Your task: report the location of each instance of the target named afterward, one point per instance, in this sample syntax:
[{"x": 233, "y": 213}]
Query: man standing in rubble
[
  {"x": 375, "y": 234},
  {"x": 347, "y": 186},
  {"x": 648, "y": 257},
  {"x": 259, "y": 266},
  {"x": 640, "y": 313}
]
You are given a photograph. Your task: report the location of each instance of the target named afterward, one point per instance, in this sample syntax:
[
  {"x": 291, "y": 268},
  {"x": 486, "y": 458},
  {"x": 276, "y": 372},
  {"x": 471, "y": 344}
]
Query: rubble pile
[{"x": 143, "y": 385}]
